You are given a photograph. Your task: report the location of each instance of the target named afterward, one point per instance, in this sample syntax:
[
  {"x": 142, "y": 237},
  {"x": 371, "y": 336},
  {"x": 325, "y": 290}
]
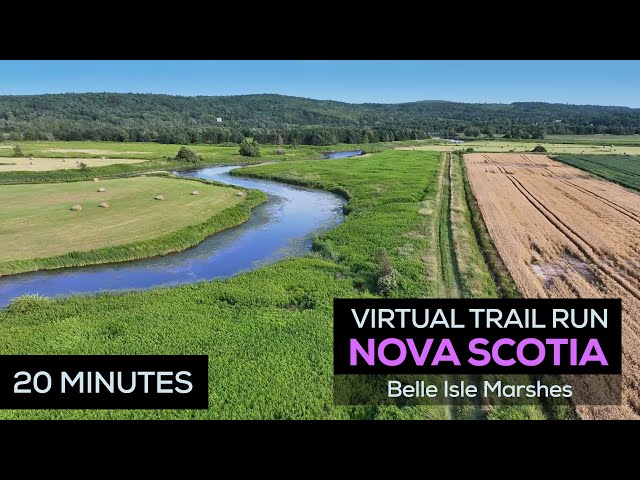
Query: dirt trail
[
  {"x": 564, "y": 233},
  {"x": 450, "y": 276}
]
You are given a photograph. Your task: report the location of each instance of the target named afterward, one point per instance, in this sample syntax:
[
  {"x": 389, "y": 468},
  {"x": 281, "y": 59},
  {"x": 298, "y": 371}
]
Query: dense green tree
[
  {"x": 187, "y": 155},
  {"x": 275, "y": 119},
  {"x": 249, "y": 149}
]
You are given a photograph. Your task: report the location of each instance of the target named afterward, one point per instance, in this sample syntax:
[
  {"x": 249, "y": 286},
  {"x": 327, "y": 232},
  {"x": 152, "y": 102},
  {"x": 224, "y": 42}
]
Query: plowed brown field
[{"x": 563, "y": 233}]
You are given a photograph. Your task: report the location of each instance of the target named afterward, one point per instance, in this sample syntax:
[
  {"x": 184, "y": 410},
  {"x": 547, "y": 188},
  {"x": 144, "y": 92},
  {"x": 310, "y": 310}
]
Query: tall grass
[
  {"x": 475, "y": 277},
  {"x": 385, "y": 192}
]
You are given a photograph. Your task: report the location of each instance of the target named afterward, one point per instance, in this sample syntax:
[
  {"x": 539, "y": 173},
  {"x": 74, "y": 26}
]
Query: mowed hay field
[
  {"x": 564, "y": 233},
  {"x": 525, "y": 147},
  {"x": 37, "y": 221},
  {"x": 22, "y": 164}
]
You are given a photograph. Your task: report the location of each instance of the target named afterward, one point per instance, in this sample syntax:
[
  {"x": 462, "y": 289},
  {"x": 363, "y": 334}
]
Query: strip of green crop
[
  {"x": 621, "y": 169},
  {"x": 176, "y": 241}
]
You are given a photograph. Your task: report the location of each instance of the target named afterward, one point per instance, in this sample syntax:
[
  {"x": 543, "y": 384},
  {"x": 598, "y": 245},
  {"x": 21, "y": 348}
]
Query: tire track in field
[
  {"x": 563, "y": 226},
  {"x": 628, "y": 213},
  {"x": 581, "y": 244}
]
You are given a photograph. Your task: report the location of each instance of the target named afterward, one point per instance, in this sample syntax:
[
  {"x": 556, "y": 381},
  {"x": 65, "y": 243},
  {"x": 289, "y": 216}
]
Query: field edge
[{"x": 501, "y": 277}]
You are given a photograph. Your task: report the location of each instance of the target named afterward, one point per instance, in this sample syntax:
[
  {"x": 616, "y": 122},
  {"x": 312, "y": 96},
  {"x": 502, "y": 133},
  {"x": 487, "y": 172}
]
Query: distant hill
[{"x": 278, "y": 118}]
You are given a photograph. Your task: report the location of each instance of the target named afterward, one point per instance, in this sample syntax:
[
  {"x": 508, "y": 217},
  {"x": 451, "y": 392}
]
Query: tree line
[{"x": 281, "y": 119}]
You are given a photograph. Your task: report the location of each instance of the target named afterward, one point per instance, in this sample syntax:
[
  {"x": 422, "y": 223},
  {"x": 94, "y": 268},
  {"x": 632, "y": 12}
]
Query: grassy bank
[
  {"x": 385, "y": 192},
  {"x": 41, "y": 232},
  {"x": 475, "y": 277}
]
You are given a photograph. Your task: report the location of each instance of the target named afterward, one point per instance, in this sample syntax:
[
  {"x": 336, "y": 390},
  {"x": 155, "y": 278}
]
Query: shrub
[
  {"x": 27, "y": 303},
  {"x": 83, "y": 166},
  {"x": 279, "y": 151},
  {"x": 388, "y": 283},
  {"x": 387, "y": 275},
  {"x": 187, "y": 155},
  {"x": 17, "y": 151},
  {"x": 539, "y": 148},
  {"x": 327, "y": 249},
  {"x": 249, "y": 149}
]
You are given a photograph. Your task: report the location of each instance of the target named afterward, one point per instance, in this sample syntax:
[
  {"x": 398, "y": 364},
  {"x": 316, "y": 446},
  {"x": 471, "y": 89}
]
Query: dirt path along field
[
  {"x": 449, "y": 275},
  {"x": 564, "y": 233}
]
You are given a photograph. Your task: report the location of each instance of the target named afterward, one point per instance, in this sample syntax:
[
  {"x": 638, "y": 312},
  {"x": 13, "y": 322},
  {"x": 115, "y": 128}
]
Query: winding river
[{"x": 283, "y": 226}]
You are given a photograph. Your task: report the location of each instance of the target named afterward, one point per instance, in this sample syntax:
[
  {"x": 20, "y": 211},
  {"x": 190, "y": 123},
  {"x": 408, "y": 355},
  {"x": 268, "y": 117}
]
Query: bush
[
  {"x": 27, "y": 303},
  {"x": 17, "y": 151},
  {"x": 387, "y": 275},
  {"x": 388, "y": 283},
  {"x": 187, "y": 155},
  {"x": 279, "y": 151},
  {"x": 326, "y": 249},
  {"x": 83, "y": 166},
  {"x": 249, "y": 149},
  {"x": 540, "y": 149}
]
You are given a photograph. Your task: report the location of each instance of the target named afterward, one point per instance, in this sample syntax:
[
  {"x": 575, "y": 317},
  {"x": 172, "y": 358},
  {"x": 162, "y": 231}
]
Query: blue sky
[{"x": 581, "y": 82}]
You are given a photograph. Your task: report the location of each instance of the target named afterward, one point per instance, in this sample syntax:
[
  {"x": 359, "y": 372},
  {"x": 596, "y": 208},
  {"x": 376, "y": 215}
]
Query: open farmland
[
  {"x": 23, "y": 164},
  {"x": 525, "y": 146},
  {"x": 39, "y": 229},
  {"x": 622, "y": 169},
  {"x": 563, "y": 233}
]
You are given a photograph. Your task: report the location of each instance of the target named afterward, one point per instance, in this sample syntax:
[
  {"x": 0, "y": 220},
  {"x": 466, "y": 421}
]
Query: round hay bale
[
  {"x": 76, "y": 208},
  {"x": 104, "y": 205},
  {"x": 240, "y": 194},
  {"x": 102, "y": 189},
  {"x": 159, "y": 197},
  {"x": 195, "y": 192},
  {"x": 95, "y": 179}
]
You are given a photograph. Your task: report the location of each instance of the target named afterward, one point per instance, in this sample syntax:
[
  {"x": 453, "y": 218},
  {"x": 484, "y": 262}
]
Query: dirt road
[{"x": 563, "y": 233}]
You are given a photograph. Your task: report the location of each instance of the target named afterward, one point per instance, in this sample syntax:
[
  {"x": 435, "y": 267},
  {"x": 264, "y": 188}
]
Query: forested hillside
[{"x": 282, "y": 119}]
